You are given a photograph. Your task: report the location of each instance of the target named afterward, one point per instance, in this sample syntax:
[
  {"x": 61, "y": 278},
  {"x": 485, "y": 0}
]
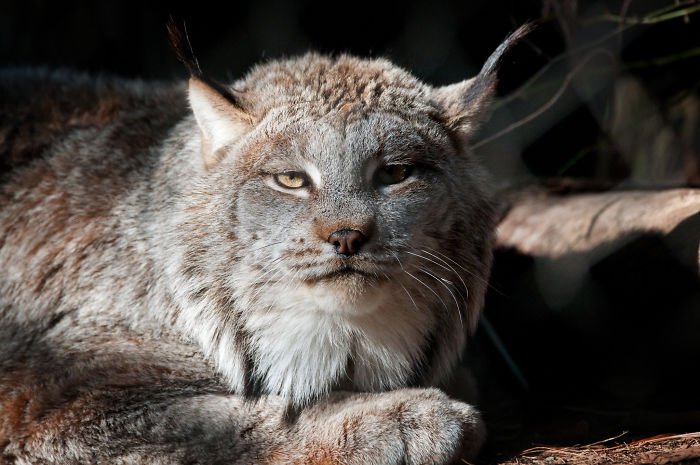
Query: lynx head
[{"x": 332, "y": 228}]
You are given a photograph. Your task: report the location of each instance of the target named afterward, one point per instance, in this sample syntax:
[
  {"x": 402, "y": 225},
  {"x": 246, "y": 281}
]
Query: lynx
[{"x": 280, "y": 270}]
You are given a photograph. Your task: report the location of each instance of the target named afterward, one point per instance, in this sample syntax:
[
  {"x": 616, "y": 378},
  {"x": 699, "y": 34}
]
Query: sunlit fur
[
  {"x": 162, "y": 302},
  {"x": 405, "y": 318}
]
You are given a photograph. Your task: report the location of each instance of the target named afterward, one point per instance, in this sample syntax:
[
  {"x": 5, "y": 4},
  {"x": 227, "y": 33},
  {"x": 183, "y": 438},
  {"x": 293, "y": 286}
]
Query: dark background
[
  {"x": 580, "y": 135},
  {"x": 586, "y": 102},
  {"x": 440, "y": 41}
]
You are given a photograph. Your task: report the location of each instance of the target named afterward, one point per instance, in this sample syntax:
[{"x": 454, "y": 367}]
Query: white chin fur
[
  {"x": 344, "y": 296},
  {"x": 304, "y": 338}
]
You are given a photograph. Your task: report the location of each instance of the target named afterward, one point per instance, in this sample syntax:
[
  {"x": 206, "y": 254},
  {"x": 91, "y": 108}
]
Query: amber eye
[
  {"x": 292, "y": 179},
  {"x": 393, "y": 174}
]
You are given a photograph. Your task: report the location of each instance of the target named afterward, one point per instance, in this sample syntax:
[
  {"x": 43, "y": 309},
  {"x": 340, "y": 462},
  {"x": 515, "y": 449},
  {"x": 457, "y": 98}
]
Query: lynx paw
[{"x": 408, "y": 426}]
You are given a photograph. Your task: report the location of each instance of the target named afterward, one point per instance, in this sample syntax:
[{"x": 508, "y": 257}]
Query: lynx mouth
[{"x": 344, "y": 273}]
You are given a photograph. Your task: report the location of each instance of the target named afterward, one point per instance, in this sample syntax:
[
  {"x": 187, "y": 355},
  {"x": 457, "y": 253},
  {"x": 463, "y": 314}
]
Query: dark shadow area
[{"x": 615, "y": 351}]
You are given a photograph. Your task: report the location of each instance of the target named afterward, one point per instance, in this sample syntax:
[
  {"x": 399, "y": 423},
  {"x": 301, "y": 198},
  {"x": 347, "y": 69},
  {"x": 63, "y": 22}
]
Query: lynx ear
[
  {"x": 465, "y": 104},
  {"x": 220, "y": 117}
]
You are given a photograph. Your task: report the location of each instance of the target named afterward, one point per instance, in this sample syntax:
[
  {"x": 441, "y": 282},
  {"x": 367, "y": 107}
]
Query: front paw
[
  {"x": 407, "y": 426},
  {"x": 437, "y": 429}
]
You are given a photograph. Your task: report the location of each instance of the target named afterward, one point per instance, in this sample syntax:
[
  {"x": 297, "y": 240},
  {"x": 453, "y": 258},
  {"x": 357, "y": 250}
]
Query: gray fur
[{"x": 161, "y": 302}]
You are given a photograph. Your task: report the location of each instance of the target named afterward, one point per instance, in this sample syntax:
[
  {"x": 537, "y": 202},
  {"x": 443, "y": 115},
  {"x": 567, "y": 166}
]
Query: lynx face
[
  {"x": 369, "y": 190},
  {"x": 337, "y": 233}
]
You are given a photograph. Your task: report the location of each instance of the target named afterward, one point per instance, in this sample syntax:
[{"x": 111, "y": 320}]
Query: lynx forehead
[{"x": 334, "y": 84}]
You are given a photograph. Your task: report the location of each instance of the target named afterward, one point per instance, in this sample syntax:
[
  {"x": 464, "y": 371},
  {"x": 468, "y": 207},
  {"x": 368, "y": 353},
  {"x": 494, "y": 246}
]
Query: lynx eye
[
  {"x": 393, "y": 174},
  {"x": 292, "y": 179}
]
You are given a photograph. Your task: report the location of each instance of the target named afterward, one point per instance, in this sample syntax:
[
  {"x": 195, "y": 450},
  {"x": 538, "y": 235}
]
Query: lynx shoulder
[{"x": 184, "y": 262}]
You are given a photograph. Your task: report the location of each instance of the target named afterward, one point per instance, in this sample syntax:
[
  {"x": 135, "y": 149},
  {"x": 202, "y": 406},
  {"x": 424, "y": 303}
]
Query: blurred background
[
  {"x": 601, "y": 96},
  {"x": 597, "y": 54}
]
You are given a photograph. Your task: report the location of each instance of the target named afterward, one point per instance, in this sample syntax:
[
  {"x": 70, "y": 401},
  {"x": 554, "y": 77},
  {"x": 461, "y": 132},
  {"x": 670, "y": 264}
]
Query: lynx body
[{"x": 277, "y": 271}]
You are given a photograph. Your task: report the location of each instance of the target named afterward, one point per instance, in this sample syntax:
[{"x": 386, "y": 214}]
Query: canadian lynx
[{"x": 281, "y": 270}]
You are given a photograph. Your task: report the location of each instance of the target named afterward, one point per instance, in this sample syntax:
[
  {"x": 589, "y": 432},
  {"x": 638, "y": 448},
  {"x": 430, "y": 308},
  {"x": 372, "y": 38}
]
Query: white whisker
[
  {"x": 266, "y": 269},
  {"x": 466, "y": 289},
  {"x": 420, "y": 281},
  {"x": 428, "y": 259},
  {"x": 265, "y": 246},
  {"x": 284, "y": 290},
  {"x": 410, "y": 297},
  {"x": 442, "y": 281},
  {"x": 471, "y": 273},
  {"x": 270, "y": 267}
]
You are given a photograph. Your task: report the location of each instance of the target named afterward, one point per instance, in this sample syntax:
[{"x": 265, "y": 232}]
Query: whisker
[
  {"x": 446, "y": 266},
  {"x": 471, "y": 273},
  {"x": 388, "y": 278},
  {"x": 442, "y": 281},
  {"x": 284, "y": 290},
  {"x": 263, "y": 286},
  {"x": 461, "y": 267},
  {"x": 267, "y": 267},
  {"x": 270, "y": 267},
  {"x": 466, "y": 289},
  {"x": 265, "y": 246},
  {"x": 432, "y": 261},
  {"x": 491, "y": 333},
  {"x": 420, "y": 281},
  {"x": 410, "y": 297}
]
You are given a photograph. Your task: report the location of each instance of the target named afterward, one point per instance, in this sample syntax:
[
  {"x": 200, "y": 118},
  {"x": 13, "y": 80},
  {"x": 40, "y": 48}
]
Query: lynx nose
[{"x": 347, "y": 241}]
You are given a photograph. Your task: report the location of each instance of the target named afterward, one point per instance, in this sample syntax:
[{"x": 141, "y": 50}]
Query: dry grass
[{"x": 656, "y": 450}]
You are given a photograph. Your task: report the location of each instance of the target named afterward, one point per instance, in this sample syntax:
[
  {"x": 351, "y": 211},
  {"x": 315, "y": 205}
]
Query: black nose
[{"x": 347, "y": 241}]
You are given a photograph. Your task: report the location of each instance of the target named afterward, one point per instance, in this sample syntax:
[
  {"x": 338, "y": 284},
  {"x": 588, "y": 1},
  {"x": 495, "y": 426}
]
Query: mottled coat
[{"x": 174, "y": 288}]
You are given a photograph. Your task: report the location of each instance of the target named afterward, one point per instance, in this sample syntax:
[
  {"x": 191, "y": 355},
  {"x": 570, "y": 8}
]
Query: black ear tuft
[
  {"x": 494, "y": 61},
  {"x": 180, "y": 43},
  {"x": 465, "y": 104}
]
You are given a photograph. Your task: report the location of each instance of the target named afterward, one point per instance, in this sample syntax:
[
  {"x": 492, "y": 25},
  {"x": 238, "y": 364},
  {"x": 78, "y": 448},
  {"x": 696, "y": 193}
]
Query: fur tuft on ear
[
  {"x": 465, "y": 104},
  {"x": 219, "y": 114},
  {"x": 220, "y": 117},
  {"x": 180, "y": 43}
]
